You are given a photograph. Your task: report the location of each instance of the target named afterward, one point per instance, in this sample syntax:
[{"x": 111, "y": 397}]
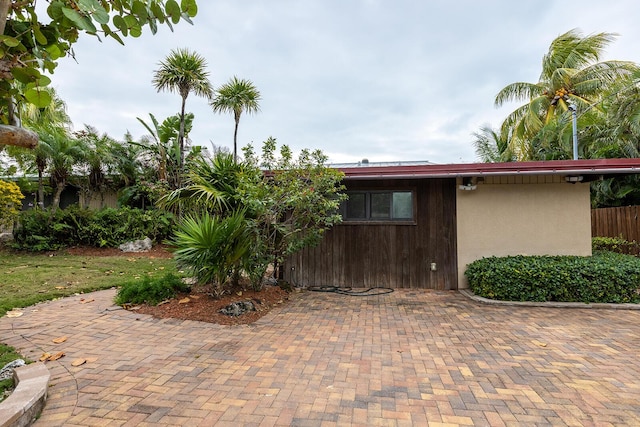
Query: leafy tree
[
  {"x": 183, "y": 72},
  {"x": 10, "y": 202},
  {"x": 287, "y": 203},
  {"x": 63, "y": 152},
  {"x": 236, "y": 96},
  {"x": 570, "y": 75},
  {"x": 492, "y": 145},
  {"x": 162, "y": 144},
  {"x": 99, "y": 163},
  {"x": 31, "y": 46}
]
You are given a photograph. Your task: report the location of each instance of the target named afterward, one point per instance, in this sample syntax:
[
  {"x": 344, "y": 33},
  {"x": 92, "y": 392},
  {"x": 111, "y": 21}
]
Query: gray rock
[
  {"x": 137, "y": 245},
  {"x": 238, "y": 308},
  {"x": 7, "y": 371}
]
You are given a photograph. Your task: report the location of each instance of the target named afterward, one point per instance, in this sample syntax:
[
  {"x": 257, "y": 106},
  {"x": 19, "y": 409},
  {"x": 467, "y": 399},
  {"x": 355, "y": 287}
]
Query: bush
[
  {"x": 604, "y": 277},
  {"x": 10, "y": 202},
  {"x": 40, "y": 230},
  {"x": 615, "y": 244},
  {"x": 150, "y": 290}
]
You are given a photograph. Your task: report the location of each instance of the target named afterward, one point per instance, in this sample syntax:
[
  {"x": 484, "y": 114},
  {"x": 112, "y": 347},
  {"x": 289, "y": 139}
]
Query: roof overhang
[{"x": 461, "y": 170}]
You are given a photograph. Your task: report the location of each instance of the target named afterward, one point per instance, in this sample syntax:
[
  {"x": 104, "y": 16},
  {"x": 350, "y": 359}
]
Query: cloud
[{"x": 401, "y": 80}]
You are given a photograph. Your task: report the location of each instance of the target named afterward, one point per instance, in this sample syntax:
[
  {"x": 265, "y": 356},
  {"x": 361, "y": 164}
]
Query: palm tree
[
  {"x": 492, "y": 145},
  {"x": 183, "y": 72},
  {"x": 236, "y": 96},
  {"x": 570, "y": 75}
]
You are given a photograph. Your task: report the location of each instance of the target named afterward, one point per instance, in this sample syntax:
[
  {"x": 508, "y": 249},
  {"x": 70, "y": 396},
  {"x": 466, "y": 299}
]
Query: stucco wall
[{"x": 522, "y": 215}]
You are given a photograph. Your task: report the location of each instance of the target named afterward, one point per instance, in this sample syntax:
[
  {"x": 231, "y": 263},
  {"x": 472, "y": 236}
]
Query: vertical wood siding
[{"x": 387, "y": 255}]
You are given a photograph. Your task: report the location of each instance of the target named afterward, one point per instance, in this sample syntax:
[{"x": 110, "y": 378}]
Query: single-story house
[{"x": 420, "y": 225}]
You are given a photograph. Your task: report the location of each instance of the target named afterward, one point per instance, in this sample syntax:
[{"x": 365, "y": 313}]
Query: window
[{"x": 378, "y": 206}]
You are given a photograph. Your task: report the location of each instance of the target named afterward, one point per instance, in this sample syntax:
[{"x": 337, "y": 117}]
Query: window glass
[
  {"x": 380, "y": 205},
  {"x": 357, "y": 206},
  {"x": 402, "y": 205}
]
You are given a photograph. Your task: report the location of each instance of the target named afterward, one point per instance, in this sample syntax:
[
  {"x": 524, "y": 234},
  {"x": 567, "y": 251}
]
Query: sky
[{"x": 400, "y": 80}]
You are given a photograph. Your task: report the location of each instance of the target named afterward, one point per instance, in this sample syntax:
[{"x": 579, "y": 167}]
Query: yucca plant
[{"x": 211, "y": 247}]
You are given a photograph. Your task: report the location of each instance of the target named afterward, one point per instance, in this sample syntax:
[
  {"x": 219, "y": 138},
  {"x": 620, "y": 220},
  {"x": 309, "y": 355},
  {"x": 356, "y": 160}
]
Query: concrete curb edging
[
  {"x": 551, "y": 304},
  {"x": 27, "y": 400}
]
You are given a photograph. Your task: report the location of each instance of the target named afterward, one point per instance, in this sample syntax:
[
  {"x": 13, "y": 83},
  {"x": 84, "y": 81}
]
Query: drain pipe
[{"x": 574, "y": 115}]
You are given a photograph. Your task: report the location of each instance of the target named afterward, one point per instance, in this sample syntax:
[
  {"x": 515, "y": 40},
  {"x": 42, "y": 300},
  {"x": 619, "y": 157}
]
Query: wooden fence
[{"x": 622, "y": 222}]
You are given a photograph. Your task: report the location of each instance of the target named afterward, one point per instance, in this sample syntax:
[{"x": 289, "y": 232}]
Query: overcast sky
[{"x": 377, "y": 79}]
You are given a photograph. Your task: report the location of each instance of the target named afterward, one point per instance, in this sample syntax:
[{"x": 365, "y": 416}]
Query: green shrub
[
  {"x": 40, "y": 230},
  {"x": 150, "y": 290},
  {"x": 615, "y": 244},
  {"x": 603, "y": 277},
  {"x": 212, "y": 248}
]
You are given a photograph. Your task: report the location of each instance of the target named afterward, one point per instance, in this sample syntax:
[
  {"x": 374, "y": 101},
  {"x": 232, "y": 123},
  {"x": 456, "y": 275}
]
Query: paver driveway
[{"x": 406, "y": 358}]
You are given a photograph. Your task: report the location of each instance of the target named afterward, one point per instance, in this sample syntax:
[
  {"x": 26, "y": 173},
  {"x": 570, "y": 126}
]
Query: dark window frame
[{"x": 368, "y": 220}]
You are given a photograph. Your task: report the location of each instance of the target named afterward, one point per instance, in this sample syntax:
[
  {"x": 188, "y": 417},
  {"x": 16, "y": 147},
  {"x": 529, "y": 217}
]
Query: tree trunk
[
  {"x": 56, "y": 197},
  {"x": 13, "y": 135},
  {"x": 5, "y": 5}
]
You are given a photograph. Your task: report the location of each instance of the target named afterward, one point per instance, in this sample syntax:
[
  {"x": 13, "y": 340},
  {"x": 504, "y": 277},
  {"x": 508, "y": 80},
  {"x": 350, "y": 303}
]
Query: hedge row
[
  {"x": 38, "y": 230},
  {"x": 604, "y": 277}
]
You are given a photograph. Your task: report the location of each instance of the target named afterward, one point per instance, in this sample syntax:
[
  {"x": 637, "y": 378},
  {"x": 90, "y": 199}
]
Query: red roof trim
[{"x": 555, "y": 167}]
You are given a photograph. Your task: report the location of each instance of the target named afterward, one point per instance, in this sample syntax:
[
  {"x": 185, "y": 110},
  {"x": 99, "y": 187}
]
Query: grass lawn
[
  {"x": 26, "y": 279},
  {"x": 7, "y": 354}
]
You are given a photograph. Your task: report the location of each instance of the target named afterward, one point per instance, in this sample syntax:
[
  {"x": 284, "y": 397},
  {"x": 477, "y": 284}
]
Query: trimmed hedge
[
  {"x": 604, "y": 277},
  {"x": 39, "y": 230}
]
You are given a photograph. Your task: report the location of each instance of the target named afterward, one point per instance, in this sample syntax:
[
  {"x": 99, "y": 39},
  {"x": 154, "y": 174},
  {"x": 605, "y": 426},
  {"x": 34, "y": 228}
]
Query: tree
[
  {"x": 31, "y": 46},
  {"x": 492, "y": 145},
  {"x": 99, "y": 163},
  {"x": 570, "y": 75},
  {"x": 183, "y": 72},
  {"x": 63, "y": 152},
  {"x": 236, "y": 96}
]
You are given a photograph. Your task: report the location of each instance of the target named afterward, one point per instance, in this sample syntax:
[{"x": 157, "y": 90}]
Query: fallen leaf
[
  {"x": 60, "y": 287},
  {"x": 78, "y": 362},
  {"x": 195, "y": 296},
  {"x": 59, "y": 340},
  {"x": 56, "y": 356},
  {"x": 86, "y": 301},
  {"x": 44, "y": 357},
  {"x": 239, "y": 293},
  {"x": 14, "y": 313},
  {"x": 184, "y": 301},
  {"x": 538, "y": 343}
]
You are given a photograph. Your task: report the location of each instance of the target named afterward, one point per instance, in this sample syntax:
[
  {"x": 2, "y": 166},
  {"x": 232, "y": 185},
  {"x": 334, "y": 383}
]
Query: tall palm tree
[
  {"x": 236, "y": 96},
  {"x": 570, "y": 75},
  {"x": 183, "y": 72},
  {"x": 492, "y": 145}
]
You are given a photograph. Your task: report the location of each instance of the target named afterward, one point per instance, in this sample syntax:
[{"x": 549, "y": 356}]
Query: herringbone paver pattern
[{"x": 406, "y": 358}]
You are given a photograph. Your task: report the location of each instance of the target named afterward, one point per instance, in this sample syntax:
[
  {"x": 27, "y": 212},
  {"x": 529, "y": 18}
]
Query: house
[{"x": 420, "y": 225}]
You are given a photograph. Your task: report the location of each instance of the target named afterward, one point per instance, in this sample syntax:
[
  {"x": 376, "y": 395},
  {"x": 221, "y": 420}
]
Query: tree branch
[{"x": 20, "y": 137}]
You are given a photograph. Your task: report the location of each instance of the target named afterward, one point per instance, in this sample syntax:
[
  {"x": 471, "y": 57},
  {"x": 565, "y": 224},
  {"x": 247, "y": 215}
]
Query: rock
[
  {"x": 6, "y": 237},
  {"x": 137, "y": 246},
  {"x": 7, "y": 371},
  {"x": 238, "y": 308}
]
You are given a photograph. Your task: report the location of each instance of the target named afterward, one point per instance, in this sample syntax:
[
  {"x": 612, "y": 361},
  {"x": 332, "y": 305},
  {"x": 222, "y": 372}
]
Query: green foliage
[
  {"x": 212, "y": 247},
  {"x": 7, "y": 354},
  {"x": 41, "y": 230},
  {"x": 151, "y": 290},
  {"x": 10, "y": 202},
  {"x": 29, "y": 278},
  {"x": 29, "y": 45},
  {"x": 615, "y": 244},
  {"x": 604, "y": 277}
]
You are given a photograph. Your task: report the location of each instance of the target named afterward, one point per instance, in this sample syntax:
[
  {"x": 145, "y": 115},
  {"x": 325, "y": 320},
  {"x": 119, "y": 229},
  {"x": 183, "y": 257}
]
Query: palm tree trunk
[
  {"x": 40, "y": 201},
  {"x": 235, "y": 141},
  {"x": 181, "y": 142},
  {"x": 55, "y": 204}
]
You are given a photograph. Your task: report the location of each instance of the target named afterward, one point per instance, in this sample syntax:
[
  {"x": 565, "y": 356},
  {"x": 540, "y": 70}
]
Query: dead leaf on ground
[
  {"x": 78, "y": 362},
  {"x": 195, "y": 296},
  {"x": 61, "y": 287},
  {"x": 184, "y": 301},
  {"x": 86, "y": 301},
  {"x": 48, "y": 357},
  {"x": 539, "y": 343},
  {"x": 59, "y": 340},
  {"x": 14, "y": 313}
]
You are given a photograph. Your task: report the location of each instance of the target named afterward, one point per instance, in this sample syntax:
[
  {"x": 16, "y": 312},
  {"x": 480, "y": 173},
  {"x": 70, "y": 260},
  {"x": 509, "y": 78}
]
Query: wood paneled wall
[
  {"x": 387, "y": 255},
  {"x": 623, "y": 221}
]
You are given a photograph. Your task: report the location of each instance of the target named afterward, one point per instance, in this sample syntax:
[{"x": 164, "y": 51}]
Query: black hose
[{"x": 349, "y": 291}]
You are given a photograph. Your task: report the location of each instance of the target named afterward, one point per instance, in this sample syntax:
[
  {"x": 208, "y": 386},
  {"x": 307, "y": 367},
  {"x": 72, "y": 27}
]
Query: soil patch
[{"x": 199, "y": 304}]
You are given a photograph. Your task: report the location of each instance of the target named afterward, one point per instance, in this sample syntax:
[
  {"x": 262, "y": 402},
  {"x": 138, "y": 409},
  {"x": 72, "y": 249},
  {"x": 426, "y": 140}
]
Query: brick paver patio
[{"x": 406, "y": 358}]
